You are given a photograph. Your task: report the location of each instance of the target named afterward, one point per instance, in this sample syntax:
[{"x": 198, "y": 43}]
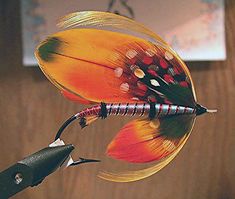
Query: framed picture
[{"x": 195, "y": 28}]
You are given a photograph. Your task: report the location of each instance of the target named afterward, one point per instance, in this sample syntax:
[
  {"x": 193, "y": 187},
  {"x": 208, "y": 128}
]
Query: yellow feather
[{"x": 106, "y": 19}]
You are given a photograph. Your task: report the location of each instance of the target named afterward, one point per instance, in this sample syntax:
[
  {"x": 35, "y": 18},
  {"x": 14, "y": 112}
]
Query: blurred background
[{"x": 32, "y": 110}]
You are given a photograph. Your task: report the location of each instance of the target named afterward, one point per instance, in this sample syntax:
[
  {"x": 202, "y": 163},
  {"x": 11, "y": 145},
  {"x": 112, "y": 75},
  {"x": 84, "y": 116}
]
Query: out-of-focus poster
[{"x": 195, "y": 28}]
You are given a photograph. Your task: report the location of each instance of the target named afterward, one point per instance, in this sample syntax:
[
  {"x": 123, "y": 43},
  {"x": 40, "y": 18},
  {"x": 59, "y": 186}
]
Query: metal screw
[{"x": 18, "y": 178}]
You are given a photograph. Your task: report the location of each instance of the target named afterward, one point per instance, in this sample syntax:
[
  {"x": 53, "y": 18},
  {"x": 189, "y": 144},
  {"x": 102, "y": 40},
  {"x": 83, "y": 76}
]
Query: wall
[{"x": 31, "y": 110}]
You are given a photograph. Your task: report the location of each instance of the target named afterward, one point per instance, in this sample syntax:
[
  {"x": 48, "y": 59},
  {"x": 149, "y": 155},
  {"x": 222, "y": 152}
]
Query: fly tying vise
[{"x": 123, "y": 68}]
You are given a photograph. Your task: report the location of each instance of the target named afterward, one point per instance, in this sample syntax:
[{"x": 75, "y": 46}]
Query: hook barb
[{"x": 82, "y": 161}]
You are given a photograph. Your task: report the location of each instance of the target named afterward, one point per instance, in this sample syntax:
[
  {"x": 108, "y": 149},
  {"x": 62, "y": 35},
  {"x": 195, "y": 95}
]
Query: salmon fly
[{"x": 122, "y": 68}]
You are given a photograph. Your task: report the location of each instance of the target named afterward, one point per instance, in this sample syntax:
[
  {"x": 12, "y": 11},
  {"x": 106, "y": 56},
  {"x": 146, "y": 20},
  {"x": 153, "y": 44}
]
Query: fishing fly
[{"x": 122, "y": 68}]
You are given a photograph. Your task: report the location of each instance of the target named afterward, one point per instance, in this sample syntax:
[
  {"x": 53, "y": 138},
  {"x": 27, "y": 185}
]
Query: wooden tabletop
[{"x": 31, "y": 110}]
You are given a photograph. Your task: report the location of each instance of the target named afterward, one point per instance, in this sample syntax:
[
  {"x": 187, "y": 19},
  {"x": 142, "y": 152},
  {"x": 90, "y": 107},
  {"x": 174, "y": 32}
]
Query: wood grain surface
[{"x": 31, "y": 111}]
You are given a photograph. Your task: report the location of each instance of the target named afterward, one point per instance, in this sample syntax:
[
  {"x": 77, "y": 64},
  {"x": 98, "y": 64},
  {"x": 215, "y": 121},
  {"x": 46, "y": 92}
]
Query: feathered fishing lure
[{"x": 127, "y": 70}]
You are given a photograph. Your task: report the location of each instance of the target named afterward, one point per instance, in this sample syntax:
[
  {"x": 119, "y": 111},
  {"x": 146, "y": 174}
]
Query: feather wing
[
  {"x": 84, "y": 61},
  {"x": 145, "y": 147}
]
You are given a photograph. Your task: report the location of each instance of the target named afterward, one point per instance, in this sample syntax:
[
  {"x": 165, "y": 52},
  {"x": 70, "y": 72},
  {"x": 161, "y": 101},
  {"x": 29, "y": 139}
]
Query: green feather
[
  {"x": 47, "y": 49},
  {"x": 176, "y": 126}
]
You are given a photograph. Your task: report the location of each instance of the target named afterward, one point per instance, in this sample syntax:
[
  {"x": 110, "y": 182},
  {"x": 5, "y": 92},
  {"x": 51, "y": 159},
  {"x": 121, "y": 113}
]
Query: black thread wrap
[
  {"x": 152, "y": 111},
  {"x": 82, "y": 122},
  {"x": 103, "y": 111}
]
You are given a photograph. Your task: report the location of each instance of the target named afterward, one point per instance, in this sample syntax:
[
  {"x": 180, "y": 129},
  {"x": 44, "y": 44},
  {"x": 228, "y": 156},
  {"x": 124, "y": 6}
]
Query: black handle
[{"x": 32, "y": 170}]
